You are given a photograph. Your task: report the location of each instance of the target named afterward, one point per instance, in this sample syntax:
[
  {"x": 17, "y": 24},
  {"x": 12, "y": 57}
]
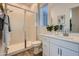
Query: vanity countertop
[{"x": 70, "y": 38}]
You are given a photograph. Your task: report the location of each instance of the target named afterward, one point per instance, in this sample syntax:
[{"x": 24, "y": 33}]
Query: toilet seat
[{"x": 36, "y": 43}]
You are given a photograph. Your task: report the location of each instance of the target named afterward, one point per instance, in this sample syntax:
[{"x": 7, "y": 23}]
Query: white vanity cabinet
[
  {"x": 67, "y": 52},
  {"x": 58, "y": 47},
  {"x": 54, "y": 50},
  {"x": 45, "y": 45},
  {"x": 63, "y": 48}
]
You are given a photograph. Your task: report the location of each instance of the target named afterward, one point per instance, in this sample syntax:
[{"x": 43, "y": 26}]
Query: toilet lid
[{"x": 36, "y": 42}]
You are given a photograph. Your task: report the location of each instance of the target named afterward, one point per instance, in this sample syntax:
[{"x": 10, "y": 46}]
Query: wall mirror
[
  {"x": 74, "y": 21},
  {"x": 66, "y": 16}
]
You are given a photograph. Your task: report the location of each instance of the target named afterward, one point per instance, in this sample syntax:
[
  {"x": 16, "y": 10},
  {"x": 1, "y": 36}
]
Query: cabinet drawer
[{"x": 66, "y": 44}]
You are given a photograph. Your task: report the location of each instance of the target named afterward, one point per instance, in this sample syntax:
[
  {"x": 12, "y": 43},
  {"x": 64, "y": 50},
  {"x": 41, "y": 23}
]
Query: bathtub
[
  {"x": 15, "y": 47},
  {"x": 20, "y": 46}
]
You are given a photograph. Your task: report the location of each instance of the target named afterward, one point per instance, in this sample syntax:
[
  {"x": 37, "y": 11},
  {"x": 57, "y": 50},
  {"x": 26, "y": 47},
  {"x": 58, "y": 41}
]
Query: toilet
[
  {"x": 36, "y": 43},
  {"x": 36, "y": 46}
]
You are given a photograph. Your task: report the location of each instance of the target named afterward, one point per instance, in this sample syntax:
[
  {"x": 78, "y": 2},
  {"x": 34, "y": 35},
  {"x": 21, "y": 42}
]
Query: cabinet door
[
  {"x": 54, "y": 50},
  {"x": 67, "y": 52},
  {"x": 45, "y": 48}
]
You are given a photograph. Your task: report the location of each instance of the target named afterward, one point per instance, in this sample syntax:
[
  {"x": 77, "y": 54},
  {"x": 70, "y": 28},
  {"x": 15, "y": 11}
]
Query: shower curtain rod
[{"x": 20, "y": 8}]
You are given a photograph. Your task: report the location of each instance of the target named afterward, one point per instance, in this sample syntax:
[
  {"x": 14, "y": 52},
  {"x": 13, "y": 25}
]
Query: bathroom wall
[
  {"x": 19, "y": 5},
  {"x": 30, "y": 26},
  {"x": 75, "y": 19},
  {"x": 34, "y": 8},
  {"x": 31, "y": 23}
]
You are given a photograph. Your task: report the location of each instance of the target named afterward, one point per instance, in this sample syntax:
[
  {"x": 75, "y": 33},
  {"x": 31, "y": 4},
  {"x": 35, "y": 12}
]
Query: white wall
[{"x": 30, "y": 27}]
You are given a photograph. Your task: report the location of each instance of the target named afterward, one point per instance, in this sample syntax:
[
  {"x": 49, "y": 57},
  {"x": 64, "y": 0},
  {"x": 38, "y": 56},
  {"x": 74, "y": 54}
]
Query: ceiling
[
  {"x": 27, "y": 4},
  {"x": 68, "y": 5}
]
